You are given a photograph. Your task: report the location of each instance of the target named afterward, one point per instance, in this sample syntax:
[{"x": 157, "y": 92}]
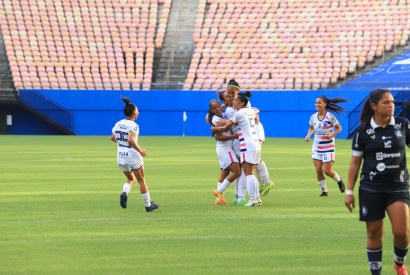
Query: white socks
[
  {"x": 236, "y": 191},
  {"x": 146, "y": 199},
  {"x": 336, "y": 177},
  {"x": 323, "y": 185},
  {"x": 241, "y": 181},
  {"x": 126, "y": 188},
  {"x": 252, "y": 184},
  {"x": 223, "y": 186},
  {"x": 262, "y": 173}
]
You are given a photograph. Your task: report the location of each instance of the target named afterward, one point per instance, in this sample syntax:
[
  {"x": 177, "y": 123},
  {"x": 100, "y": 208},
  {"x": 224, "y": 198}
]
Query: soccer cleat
[
  {"x": 265, "y": 189},
  {"x": 324, "y": 194},
  {"x": 152, "y": 207},
  {"x": 218, "y": 202},
  {"x": 242, "y": 203},
  {"x": 220, "y": 196},
  {"x": 259, "y": 202},
  {"x": 123, "y": 199},
  {"x": 235, "y": 202},
  {"x": 401, "y": 270},
  {"x": 252, "y": 203},
  {"x": 341, "y": 185}
]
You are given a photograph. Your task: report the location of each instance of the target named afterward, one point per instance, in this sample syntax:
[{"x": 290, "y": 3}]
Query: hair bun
[
  {"x": 126, "y": 100},
  {"x": 248, "y": 93}
]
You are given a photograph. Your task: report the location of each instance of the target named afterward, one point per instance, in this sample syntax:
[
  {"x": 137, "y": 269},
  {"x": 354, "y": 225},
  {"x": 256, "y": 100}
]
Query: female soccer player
[
  {"x": 129, "y": 156},
  {"x": 380, "y": 140},
  {"x": 322, "y": 124},
  {"x": 244, "y": 119},
  {"x": 261, "y": 170},
  {"x": 240, "y": 183},
  {"x": 227, "y": 158}
]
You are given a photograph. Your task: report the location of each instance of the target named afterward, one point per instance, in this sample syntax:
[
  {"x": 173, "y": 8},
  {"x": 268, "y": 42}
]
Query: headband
[{"x": 233, "y": 86}]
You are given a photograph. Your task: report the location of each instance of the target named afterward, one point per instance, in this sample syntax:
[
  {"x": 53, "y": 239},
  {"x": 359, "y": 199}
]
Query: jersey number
[
  {"x": 252, "y": 123},
  {"x": 122, "y": 139}
]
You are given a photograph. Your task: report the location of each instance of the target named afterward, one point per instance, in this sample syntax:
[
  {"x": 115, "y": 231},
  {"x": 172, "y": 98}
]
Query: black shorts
[{"x": 373, "y": 205}]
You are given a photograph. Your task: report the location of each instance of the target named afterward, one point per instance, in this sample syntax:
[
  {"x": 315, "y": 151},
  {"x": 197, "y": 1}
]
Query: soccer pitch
[{"x": 60, "y": 212}]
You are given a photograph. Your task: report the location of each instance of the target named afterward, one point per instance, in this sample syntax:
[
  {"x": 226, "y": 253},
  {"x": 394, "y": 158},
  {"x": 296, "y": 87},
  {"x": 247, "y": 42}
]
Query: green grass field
[{"x": 60, "y": 212}]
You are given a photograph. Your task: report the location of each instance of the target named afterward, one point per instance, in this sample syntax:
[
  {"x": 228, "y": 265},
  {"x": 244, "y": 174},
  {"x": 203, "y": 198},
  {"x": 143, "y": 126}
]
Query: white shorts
[
  {"x": 251, "y": 157},
  {"x": 326, "y": 157},
  {"x": 226, "y": 159},
  {"x": 136, "y": 164}
]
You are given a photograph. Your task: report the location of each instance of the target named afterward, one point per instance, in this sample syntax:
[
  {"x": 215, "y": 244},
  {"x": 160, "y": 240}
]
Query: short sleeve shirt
[
  {"x": 244, "y": 119},
  {"x": 383, "y": 150},
  {"x": 322, "y": 127},
  {"x": 121, "y": 131}
]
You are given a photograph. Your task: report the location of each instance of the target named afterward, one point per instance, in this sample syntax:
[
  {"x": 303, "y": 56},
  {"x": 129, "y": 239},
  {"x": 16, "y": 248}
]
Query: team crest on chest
[
  {"x": 370, "y": 131},
  {"x": 398, "y": 133}
]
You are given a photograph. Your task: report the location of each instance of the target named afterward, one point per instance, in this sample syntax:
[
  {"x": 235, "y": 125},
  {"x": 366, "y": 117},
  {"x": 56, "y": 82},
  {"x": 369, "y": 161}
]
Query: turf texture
[{"x": 60, "y": 212}]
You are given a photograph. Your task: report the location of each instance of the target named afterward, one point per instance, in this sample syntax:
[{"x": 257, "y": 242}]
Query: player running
[
  {"x": 227, "y": 158},
  {"x": 250, "y": 152},
  {"x": 130, "y": 155},
  {"x": 322, "y": 124},
  {"x": 380, "y": 140}
]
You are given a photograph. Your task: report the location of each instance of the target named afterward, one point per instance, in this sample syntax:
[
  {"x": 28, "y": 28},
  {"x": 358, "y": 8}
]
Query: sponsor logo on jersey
[
  {"x": 387, "y": 144},
  {"x": 398, "y": 126},
  {"x": 381, "y": 155},
  {"x": 123, "y": 154},
  {"x": 402, "y": 175},
  {"x": 380, "y": 167},
  {"x": 370, "y": 131},
  {"x": 364, "y": 210},
  {"x": 122, "y": 126},
  {"x": 357, "y": 140},
  {"x": 384, "y": 138},
  {"x": 398, "y": 133},
  {"x": 373, "y": 136},
  {"x": 372, "y": 175}
]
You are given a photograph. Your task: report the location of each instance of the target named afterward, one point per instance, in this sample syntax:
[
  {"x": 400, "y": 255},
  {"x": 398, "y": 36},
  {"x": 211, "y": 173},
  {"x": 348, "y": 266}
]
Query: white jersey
[
  {"x": 126, "y": 154},
  {"x": 222, "y": 146},
  {"x": 322, "y": 127},
  {"x": 229, "y": 112},
  {"x": 244, "y": 119}
]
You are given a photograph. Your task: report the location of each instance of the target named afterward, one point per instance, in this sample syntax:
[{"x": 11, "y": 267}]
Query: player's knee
[
  {"x": 328, "y": 172},
  {"x": 401, "y": 235},
  {"x": 375, "y": 234},
  {"x": 319, "y": 170}
]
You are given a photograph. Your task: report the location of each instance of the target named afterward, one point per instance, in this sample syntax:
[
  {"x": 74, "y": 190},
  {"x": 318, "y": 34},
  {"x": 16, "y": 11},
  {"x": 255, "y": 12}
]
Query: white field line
[
  {"x": 184, "y": 218},
  {"x": 188, "y": 238}
]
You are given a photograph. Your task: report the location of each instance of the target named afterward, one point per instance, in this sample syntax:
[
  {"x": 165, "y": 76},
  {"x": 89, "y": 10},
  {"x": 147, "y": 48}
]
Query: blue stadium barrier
[
  {"x": 283, "y": 113},
  {"x": 393, "y": 74}
]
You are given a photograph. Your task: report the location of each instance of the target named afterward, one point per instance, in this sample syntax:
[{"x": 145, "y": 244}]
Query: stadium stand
[
  {"x": 293, "y": 44},
  {"x": 82, "y": 44}
]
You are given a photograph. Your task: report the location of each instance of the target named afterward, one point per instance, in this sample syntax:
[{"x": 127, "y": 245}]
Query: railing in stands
[{"x": 48, "y": 107}]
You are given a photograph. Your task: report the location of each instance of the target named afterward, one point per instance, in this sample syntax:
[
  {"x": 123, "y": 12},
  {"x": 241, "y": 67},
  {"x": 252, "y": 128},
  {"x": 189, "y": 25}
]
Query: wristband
[{"x": 349, "y": 192}]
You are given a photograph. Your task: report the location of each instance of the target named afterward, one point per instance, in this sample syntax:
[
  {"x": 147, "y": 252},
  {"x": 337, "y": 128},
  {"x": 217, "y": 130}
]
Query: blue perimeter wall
[{"x": 283, "y": 113}]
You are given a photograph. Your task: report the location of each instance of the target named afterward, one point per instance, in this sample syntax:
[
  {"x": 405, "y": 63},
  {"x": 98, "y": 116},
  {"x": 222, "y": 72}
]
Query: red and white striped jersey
[{"x": 322, "y": 127}]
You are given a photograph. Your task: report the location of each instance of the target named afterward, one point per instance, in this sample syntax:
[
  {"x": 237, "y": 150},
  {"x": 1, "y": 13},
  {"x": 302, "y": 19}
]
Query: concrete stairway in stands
[
  {"x": 6, "y": 82},
  {"x": 172, "y": 61}
]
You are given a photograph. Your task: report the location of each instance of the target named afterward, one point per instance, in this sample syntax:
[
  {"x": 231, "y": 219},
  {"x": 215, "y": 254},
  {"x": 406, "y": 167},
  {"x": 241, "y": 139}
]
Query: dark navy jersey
[{"x": 383, "y": 150}]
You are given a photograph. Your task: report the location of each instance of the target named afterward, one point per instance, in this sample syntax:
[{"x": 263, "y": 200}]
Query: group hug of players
[{"x": 379, "y": 142}]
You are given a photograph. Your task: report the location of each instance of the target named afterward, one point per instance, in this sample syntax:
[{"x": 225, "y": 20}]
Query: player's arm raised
[
  {"x": 134, "y": 145},
  {"x": 354, "y": 168},
  {"x": 225, "y": 128},
  {"x": 310, "y": 132}
]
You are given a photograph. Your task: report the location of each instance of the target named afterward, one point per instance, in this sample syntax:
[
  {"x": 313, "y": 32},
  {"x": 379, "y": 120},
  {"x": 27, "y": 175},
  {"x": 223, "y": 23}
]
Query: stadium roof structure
[{"x": 393, "y": 75}]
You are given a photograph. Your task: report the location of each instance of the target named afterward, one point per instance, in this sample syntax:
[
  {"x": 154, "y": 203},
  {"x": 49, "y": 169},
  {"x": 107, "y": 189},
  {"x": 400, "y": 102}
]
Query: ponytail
[
  {"x": 367, "y": 111},
  {"x": 332, "y": 104},
  {"x": 129, "y": 108}
]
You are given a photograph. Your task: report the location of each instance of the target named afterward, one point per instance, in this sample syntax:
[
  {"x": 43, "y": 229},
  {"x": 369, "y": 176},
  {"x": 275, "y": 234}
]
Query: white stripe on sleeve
[{"x": 357, "y": 153}]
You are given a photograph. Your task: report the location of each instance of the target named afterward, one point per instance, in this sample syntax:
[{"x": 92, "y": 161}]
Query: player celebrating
[
  {"x": 323, "y": 148},
  {"x": 129, "y": 155},
  {"x": 380, "y": 140},
  {"x": 227, "y": 157},
  {"x": 244, "y": 119},
  {"x": 240, "y": 183}
]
